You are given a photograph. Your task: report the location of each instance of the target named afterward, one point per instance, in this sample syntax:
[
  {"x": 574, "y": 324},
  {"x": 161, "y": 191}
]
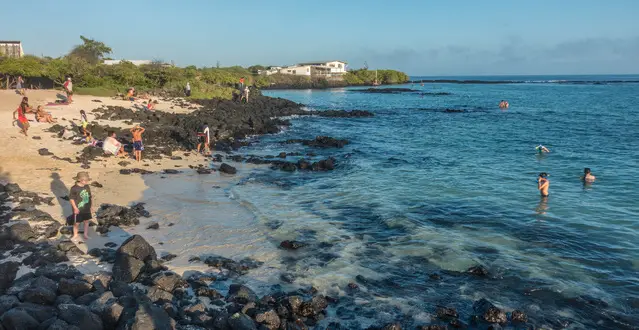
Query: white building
[
  {"x": 135, "y": 62},
  {"x": 324, "y": 69},
  {"x": 11, "y": 49}
]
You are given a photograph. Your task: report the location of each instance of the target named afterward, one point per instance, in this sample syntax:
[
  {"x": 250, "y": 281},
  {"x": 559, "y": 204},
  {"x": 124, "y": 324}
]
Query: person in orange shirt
[{"x": 22, "y": 110}]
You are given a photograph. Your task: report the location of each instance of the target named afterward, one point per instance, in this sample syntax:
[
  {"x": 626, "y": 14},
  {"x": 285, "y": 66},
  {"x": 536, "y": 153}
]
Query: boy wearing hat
[{"x": 82, "y": 203}]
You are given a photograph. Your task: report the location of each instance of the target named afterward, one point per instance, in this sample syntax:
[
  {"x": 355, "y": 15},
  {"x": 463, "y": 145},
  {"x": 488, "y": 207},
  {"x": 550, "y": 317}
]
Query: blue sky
[{"x": 452, "y": 37}]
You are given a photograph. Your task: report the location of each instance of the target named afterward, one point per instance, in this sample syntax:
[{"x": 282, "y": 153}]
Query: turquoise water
[{"x": 420, "y": 191}]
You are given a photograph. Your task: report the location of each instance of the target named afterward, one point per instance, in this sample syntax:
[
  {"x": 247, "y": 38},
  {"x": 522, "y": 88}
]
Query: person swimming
[
  {"x": 541, "y": 149},
  {"x": 503, "y": 104},
  {"x": 588, "y": 177},
  {"x": 543, "y": 184}
]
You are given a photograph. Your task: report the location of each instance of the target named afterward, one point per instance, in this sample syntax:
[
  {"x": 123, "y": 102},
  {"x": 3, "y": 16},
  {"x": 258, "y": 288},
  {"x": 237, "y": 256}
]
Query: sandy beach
[{"x": 21, "y": 163}]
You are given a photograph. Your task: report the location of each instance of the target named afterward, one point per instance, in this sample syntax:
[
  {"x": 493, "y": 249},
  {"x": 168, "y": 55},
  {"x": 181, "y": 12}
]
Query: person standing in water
[
  {"x": 588, "y": 177},
  {"x": 543, "y": 184},
  {"x": 541, "y": 149}
]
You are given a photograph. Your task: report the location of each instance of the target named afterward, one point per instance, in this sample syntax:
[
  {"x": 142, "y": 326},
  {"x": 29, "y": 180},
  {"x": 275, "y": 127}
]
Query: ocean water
[{"x": 421, "y": 191}]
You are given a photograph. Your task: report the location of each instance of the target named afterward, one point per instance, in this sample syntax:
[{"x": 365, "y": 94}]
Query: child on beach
[
  {"x": 84, "y": 126},
  {"x": 150, "y": 106},
  {"x": 137, "y": 141},
  {"x": 82, "y": 203},
  {"x": 22, "y": 110}
]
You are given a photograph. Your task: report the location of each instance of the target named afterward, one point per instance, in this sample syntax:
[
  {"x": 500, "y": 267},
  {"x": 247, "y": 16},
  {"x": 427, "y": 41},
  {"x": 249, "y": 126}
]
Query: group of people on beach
[{"x": 40, "y": 116}]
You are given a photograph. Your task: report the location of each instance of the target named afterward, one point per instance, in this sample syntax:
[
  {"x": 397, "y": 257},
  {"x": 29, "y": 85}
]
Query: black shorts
[
  {"x": 77, "y": 218},
  {"x": 202, "y": 139}
]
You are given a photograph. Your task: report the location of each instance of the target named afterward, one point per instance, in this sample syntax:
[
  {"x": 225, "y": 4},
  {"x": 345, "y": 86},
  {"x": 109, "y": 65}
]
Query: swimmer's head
[
  {"x": 587, "y": 170},
  {"x": 543, "y": 175}
]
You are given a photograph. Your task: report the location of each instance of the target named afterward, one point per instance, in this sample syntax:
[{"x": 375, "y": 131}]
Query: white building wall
[
  {"x": 336, "y": 66},
  {"x": 299, "y": 70}
]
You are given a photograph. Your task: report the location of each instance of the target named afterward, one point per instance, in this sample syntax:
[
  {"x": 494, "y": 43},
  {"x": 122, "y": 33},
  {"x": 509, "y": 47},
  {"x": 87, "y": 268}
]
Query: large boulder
[
  {"x": 158, "y": 295},
  {"x": 74, "y": 288},
  {"x": 240, "y": 294},
  {"x": 80, "y": 316},
  {"x": 268, "y": 318},
  {"x": 115, "y": 215},
  {"x": 37, "y": 295},
  {"x": 228, "y": 169},
  {"x": 167, "y": 281},
  {"x": 126, "y": 268},
  {"x": 241, "y": 321},
  {"x": 8, "y": 272},
  {"x": 146, "y": 316},
  {"x": 138, "y": 248},
  {"x": 18, "y": 320},
  {"x": 8, "y": 302},
  {"x": 22, "y": 232},
  {"x": 109, "y": 309}
]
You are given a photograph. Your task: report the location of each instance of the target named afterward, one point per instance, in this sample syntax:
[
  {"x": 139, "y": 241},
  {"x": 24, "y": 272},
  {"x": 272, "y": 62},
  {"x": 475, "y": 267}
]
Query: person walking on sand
[
  {"x": 137, "y": 141},
  {"x": 22, "y": 110},
  {"x": 588, "y": 177},
  {"x": 20, "y": 86},
  {"x": 203, "y": 137},
  {"x": 543, "y": 184},
  {"x": 68, "y": 88},
  {"x": 81, "y": 201},
  {"x": 187, "y": 90}
]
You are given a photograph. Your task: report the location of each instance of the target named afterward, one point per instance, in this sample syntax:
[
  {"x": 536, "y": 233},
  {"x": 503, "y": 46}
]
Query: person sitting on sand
[
  {"x": 112, "y": 146},
  {"x": 137, "y": 142},
  {"x": 541, "y": 149},
  {"x": 588, "y": 177},
  {"x": 82, "y": 203},
  {"x": 22, "y": 110},
  {"x": 543, "y": 184},
  {"x": 68, "y": 88},
  {"x": 43, "y": 116}
]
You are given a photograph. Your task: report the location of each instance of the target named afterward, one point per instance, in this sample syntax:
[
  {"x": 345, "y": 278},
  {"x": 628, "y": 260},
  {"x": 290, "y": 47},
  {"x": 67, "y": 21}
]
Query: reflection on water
[{"x": 542, "y": 207}]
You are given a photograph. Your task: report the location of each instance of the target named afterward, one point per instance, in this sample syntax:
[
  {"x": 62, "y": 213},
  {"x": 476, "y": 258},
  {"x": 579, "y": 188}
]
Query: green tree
[{"x": 90, "y": 50}]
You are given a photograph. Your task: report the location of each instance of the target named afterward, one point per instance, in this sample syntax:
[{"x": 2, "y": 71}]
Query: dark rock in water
[
  {"x": 240, "y": 294},
  {"x": 385, "y": 90},
  {"x": 101, "y": 230},
  {"x": 44, "y": 152},
  {"x": 153, "y": 225},
  {"x": 37, "y": 295},
  {"x": 319, "y": 142},
  {"x": 241, "y": 321},
  {"x": 478, "y": 271},
  {"x": 139, "y": 209},
  {"x": 435, "y": 277},
  {"x": 74, "y": 288},
  {"x": 170, "y": 224},
  {"x": 268, "y": 318},
  {"x": 291, "y": 245},
  {"x": 282, "y": 155},
  {"x": 168, "y": 257},
  {"x": 8, "y": 271},
  {"x": 343, "y": 114},
  {"x": 454, "y": 110},
  {"x": 489, "y": 312},
  {"x": 115, "y": 215},
  {"x": 324, "y": 165},
  {"x": 353, "y": 286},
  {"x": 228, "y": 169},
  {"x": 518, "y": 316},
  {"x": 170, "y": 171},
  {"x": 446, "y": 313},
  {"x": 18, "y": 319},
  {"x": 287, "y": 277},
  {"x": 208, "y": 292},
  {"x": 110, "y": 244},
  {"x": 79, "y": 316},
  {"x": 96, "y": 184},
  {"x": 204, "y": 171}
]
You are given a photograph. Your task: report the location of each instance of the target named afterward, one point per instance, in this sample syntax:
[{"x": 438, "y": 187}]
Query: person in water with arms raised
[
  {"x": 543, "y": 184},
  {"x": 541, "y": 149}
]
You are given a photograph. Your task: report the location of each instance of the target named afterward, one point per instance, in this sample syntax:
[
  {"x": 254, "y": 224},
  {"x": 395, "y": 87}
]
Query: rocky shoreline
[{"x": 40, "y": 290}]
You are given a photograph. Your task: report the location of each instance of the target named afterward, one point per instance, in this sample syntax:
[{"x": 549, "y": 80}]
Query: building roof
[
  {"x": 10, "y": 42},
  {"x": 321, "y": 62}
]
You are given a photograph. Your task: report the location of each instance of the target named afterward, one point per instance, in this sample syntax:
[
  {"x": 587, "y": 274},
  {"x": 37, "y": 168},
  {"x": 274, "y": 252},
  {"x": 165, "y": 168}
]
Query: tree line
[{"x": 84, "y": 63}]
